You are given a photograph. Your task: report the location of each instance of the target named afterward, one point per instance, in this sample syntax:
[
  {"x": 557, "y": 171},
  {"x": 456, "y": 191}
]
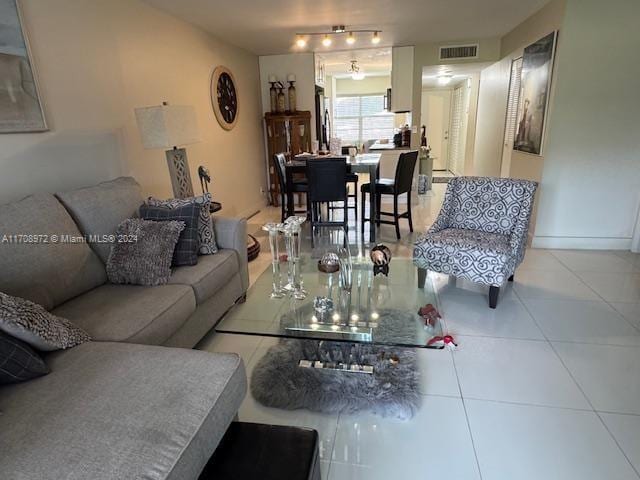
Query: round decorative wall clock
[{"x": 224, "y": 97}]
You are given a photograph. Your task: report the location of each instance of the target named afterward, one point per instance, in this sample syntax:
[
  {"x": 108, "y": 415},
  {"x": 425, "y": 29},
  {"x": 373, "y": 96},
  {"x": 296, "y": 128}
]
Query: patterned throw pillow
[
  {"x": 186, "y": 251},
  {"x": 146, "y": 258},
  {"x": 18, "y": 361},
  {"x": 206, "y": 233},
  {"x": 32, "y": 324}
]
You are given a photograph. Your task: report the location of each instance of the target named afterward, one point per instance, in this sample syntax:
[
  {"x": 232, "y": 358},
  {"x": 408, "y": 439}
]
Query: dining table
[{"x": 362, "y": 163}]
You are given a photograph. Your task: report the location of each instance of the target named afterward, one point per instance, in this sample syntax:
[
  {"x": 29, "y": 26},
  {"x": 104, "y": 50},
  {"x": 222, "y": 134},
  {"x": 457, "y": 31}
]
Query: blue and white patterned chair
[{"x": 480, "y": 233}]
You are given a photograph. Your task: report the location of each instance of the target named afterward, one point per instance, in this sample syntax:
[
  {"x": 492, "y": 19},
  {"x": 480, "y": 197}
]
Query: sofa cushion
[
  {"x": 120, "y": 411},
  {"x": 488, "y": 204},
  {"x": 210, "y": 274},
  {"x": 39, "y": 268},
  {"x": 131, "y": 313},
  {"x": 477, "y": 256},
  {"x": 98, "y": 210}
]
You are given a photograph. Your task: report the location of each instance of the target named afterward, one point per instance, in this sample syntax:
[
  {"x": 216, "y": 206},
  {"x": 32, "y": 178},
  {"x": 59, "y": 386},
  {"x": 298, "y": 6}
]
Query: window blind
[
  {"x": 512, "y": 103},
  {"x": 358, "y": 118}
]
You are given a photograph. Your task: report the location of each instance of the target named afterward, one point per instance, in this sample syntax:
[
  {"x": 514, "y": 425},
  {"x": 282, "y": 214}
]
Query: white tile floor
[{"x": 545, "y": 386}]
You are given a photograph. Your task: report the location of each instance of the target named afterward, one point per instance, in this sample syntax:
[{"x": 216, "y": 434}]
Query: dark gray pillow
[
  {"x": 143, "y": 251},
  {"x": 31, "y": 323},
  {"x": 205, "y": 224},
  {"x": 18, "y": 361},
  {"x": 186, "y": 251}
]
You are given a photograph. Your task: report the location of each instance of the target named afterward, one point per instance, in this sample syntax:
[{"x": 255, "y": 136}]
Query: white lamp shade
[{"x": 167, "y": 126}]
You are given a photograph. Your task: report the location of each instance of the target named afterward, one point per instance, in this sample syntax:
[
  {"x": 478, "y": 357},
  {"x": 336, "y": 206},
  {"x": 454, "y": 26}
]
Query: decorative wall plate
[{"x": 224, "y": 97}]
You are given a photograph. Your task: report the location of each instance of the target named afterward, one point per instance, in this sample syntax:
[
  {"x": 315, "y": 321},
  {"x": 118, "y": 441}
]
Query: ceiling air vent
[{"x": 459, "y": 51}]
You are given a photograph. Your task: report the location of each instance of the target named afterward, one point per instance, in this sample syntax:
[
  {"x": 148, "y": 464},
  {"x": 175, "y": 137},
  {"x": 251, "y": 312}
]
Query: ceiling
[
  {"x": 372, "y": 62},
  {"x": 269, "y": 27},
  {"x": 459, "y": 72}
]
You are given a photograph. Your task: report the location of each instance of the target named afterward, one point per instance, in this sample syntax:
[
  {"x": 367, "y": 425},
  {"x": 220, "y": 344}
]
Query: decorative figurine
[
  {"x": 205, "y": 178},
  {"x": 381, "y": 257},
  {"x": 430, "y": 315},
  {"x": 273, "y": 93},
  {"x": 291, "y": 92},
  {"x": 329, "y": 263}
]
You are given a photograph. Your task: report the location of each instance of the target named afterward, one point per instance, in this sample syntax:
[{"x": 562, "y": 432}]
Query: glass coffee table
[{"x": 379, "y": 310}]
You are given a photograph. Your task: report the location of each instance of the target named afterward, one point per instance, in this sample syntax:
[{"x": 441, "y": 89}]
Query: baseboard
[
  {"x": 251, "y": 211},
  {"x": 582, "y": 243}
]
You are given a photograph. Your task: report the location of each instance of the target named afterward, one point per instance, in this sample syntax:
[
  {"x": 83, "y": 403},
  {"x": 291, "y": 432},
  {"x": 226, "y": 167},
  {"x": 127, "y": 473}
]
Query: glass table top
[{"x": 379, "y": 310}]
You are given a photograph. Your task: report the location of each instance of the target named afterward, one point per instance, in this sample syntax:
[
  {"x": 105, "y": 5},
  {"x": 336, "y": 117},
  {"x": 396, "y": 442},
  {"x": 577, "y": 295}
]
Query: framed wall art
[
  {"x": 20, "y": 106},
  {"x": 537, "y": 68}
]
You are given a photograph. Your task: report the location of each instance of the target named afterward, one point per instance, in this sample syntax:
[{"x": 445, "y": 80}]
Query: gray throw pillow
[
  {"x": 206, "y": 233},
  {"x": 186, "y": 251},
  {"x": 31, "y": 323},
  {"x": 143, "y": 254},
  {"x": 18, "y": 361}
]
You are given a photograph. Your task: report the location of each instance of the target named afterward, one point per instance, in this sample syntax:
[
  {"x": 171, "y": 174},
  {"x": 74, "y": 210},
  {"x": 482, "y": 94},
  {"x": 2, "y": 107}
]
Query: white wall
[
  {"x": 428, "y": 54},
  {"x": 370, "y": 84},
  {"x": 97, "y": 61},
  {"x": 591, "y": 178},
  {"x": 492, "y": 108},
  {"x": 537, "y": 26},
  {"x": 303, "y": 67}
]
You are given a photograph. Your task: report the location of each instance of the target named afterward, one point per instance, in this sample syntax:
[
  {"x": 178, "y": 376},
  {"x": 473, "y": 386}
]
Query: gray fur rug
[{"x": 392, "y": 391}]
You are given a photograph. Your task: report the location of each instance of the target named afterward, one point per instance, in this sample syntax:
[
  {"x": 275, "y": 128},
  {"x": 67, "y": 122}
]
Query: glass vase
[
  {"x": 274, "y": 230},
  {"x": 292, "y": 229}
]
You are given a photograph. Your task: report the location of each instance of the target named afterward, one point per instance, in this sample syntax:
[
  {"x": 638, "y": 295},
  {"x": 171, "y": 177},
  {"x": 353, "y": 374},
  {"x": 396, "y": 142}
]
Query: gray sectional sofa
[{"x": 128, "y": 405}]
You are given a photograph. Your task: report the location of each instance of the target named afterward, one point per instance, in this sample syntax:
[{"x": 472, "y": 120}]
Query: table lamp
[{"x": 171, "y": 126}]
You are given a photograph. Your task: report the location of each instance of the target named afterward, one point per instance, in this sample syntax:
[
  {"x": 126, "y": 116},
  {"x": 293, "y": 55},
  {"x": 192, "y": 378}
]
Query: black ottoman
[{"x": 250, "y": 451}]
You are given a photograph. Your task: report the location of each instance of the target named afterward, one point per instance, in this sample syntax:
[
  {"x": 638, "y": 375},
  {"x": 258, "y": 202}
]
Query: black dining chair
[
  {"x": 296, "y": 186},
  {"x": 401, "y": 184},
  {"x": 352, "y": 178},
  {"x": 327, "y": 184}
]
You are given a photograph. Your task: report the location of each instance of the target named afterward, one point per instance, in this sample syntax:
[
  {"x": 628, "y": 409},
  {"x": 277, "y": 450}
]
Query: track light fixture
[
  {"x": 351, "y": 39},
  {"x": 302, "y": 37}
]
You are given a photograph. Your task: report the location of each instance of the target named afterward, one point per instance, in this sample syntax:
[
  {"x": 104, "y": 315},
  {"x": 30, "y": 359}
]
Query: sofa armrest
[{"x": 231, "y": 233}]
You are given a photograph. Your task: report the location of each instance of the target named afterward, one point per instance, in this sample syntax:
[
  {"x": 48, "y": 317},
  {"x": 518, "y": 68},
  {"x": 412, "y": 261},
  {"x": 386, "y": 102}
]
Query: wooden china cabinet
[{"x": 288, "y": 133}]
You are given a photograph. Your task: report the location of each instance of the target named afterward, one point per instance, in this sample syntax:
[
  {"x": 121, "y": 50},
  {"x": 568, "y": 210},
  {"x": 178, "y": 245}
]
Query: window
[{"x": 358, "y": 118}]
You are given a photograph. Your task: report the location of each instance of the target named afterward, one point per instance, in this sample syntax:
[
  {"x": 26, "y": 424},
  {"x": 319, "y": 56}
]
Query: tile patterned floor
[{"x": 545, "y": 386}]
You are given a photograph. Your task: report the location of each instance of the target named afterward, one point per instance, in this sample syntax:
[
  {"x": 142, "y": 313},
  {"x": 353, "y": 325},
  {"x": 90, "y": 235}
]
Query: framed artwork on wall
[
  {"x": 537, "y": 68},
  {"x": 20, "y": 106}
]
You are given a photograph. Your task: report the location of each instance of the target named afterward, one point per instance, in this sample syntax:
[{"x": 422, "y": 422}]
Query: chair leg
[
  {"x": 355, "y": 203},
  {"x": 422, "y": 277},
  {"x": 511, "y": 278},
  {"x": 378, "y": 207},
  {"x": 493, "y": 296},
  {"x": 363, "y": 199},
  {"x": 346, "y": 223},
  {"x": 396, "y": 220},
  {"x": 409, "y": 211}
]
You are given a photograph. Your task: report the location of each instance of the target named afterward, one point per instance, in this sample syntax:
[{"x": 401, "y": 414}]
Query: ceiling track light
[
  {"x": 302, "y": 38},
  {"x": 351, "y": 39}
]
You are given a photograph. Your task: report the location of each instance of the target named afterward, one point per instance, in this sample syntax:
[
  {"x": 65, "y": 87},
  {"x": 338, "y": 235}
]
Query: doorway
[{"x": 436, "y": 110}]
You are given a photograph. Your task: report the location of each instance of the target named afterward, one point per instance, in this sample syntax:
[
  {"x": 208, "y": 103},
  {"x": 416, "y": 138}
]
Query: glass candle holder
[
  {"x": 274, "y": 230},
  {"x": 292, "y": 237}
]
